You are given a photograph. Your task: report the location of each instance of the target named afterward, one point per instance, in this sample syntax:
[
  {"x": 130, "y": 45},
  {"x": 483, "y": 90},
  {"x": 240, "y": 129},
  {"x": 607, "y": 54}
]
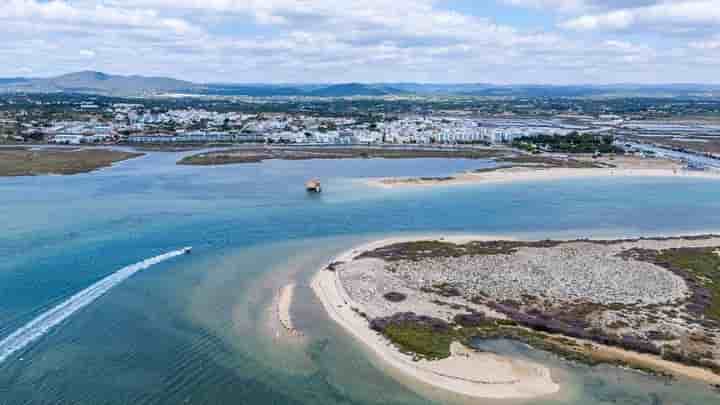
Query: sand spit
[
  {"x": 283, "y": 302},
  {"x": 656, "y": 363},
  {"x": 466, "y": 372},
  {"x": 625, "y": 167}
]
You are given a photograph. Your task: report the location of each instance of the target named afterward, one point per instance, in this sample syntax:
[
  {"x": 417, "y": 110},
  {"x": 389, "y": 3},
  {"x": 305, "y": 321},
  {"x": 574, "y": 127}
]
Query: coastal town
[
  {"x": 133, "y": 124},
  {"x": 595, "y": 128}
]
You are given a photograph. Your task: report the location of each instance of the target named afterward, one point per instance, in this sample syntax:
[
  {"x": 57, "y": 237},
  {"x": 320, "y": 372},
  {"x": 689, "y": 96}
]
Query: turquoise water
[{"x": 194, "y": 329}]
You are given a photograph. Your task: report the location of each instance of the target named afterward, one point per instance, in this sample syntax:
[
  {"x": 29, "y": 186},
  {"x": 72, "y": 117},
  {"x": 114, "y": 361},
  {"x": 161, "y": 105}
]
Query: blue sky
[{"x": 301, "y": 41}]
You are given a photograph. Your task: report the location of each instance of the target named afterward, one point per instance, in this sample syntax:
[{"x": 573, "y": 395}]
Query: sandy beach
[
  {"x": 625, "y": 167},
  {"x": 466, "y": 372},
  {"x": 657, "y": 363}
]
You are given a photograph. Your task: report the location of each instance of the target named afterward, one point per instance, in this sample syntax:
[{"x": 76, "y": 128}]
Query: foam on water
[{"x": 39, "y": 326}]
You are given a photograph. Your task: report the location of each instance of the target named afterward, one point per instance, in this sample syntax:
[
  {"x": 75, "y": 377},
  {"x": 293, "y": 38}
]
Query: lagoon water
[{"x": 195, "y": 329}]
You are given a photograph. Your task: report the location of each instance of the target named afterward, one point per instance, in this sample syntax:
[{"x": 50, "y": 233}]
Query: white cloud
[
  {"x": 87, "y": 53},
  {"x": 708, "y": 44},
  {"x": 91, "y": 16},
  {"x": 668, "y": 16},
  {"x": 562, "y": 5},
  {"x": 569, "y": 6},
  {"x": 324, "y": 40},
  {"x": 613, "y": 20}
]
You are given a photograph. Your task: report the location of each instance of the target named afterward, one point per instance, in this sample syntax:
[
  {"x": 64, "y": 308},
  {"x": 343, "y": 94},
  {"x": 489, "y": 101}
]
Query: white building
[{"x": 68, "y": 139}]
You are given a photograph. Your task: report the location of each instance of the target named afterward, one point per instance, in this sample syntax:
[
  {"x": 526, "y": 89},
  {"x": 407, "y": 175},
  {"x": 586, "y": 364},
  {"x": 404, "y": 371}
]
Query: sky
[{"x": 333, "y": 41}]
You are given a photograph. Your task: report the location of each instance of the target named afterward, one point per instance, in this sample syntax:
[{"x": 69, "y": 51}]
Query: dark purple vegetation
[
  {"x": 403, "y": 318},
  {"x": 471, "y": 320},
  {"x": 395, "y": 297},
  {"x": 576, "y": 328}
]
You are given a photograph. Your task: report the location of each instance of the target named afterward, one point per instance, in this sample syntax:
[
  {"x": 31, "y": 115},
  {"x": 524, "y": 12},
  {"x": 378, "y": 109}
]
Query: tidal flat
[{"x": 20, "y": 161}]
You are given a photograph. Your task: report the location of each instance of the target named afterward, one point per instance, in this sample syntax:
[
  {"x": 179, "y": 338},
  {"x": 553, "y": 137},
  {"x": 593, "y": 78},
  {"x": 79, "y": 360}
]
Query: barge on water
[{"x": 313, "y": 186}]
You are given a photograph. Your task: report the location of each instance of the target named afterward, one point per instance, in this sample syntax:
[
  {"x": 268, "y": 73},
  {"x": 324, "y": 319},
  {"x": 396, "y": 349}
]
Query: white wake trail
[{"x": 39, "y": 326}]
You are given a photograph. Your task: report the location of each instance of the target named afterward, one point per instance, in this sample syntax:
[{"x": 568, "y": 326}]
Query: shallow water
[{"x": 196, "y": 329}]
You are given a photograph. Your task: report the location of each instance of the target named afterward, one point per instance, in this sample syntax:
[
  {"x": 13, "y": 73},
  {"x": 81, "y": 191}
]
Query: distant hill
[
  {"x": 334, "y": 90},
  {"x": 354, "y": 89},
  {"x": 12, "y": 80},
  {"x": 254, "y": 90},
  {"x": 90, "y": 82},
  {"x": 99, "y": 83}
]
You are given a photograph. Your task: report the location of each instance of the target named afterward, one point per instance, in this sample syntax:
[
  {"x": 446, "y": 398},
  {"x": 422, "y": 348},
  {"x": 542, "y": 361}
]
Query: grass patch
[
  {"x": 420, "y": 340},
  {"x": 704, "y": 265},
  {"x": 420, "y": 250},
  {"x": 549, "y": 162},
  {"x": 26, "y": 162},
  {"x": 255, "y": 155},
  {"x": 430, "y": 339}
]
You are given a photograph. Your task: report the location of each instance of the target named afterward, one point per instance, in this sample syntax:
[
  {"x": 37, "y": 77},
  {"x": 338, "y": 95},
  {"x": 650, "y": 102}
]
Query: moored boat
[{"x": 313, "y": 186}]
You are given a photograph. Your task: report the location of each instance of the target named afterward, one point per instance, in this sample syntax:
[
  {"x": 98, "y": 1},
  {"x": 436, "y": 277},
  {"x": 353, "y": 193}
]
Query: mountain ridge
[{"x": 100, "y": 83}]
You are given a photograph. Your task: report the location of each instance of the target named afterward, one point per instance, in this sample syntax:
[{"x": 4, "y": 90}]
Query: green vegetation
[
  {"x": 421, "y": 250},
  {"x": 255, "y": 155},
  {"x": 545, "y": 161},
  {"x": 704, "y": 265},
  {"x": 61, "y": 105},
  {"x": 421, "y": 340},
  {"x": 25, "y": 162},
  {"x": 573, "y": 142},
  {"x": 224, "y": 158},
  {"x": 429, "y": 249},
  {"x": 424, "y": 341}
]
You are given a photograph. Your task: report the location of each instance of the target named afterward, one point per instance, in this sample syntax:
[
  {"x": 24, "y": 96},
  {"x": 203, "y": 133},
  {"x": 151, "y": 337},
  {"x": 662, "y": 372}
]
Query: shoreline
[
  {"x": 467, "y": 373},
  {"x": 525, "y": 174},
  {"x": 328, "y": 287}
]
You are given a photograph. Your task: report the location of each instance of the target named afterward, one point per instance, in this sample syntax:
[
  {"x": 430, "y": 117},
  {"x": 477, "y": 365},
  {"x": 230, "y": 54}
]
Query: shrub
[{"x": 395, "y": 296}]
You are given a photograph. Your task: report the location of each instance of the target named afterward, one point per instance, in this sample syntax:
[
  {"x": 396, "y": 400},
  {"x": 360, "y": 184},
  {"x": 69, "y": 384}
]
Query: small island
[
  {"x": 257, "y": 154},
  {"x": 651, "y": 305},
  {"x": 22, "y": 161}
]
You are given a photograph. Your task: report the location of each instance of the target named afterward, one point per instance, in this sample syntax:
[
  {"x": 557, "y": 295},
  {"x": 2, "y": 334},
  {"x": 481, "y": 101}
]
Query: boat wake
[{"x": 39, "y": 326}]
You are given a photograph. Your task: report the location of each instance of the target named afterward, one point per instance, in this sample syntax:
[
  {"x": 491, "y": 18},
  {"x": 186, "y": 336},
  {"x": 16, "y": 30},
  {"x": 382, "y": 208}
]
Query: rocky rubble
[{"x": 571, "y": 272}]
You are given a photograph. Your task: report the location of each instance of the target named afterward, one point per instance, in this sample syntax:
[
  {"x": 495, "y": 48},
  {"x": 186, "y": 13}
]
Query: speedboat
[{"x": 187, "y": 250}]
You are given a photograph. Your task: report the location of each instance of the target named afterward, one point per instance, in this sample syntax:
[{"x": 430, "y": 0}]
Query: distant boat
[
  {"x": 187, "y": 250},
  {"x": 313, "y": 186}
]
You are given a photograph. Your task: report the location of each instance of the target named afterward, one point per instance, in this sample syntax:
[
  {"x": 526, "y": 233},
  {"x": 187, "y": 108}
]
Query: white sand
[
  {"x": 284, "y": 300},
  {"x": 468, "y": 373},
  {"x": 655, "y": 362},
  {"x": 525, "y": 174}
]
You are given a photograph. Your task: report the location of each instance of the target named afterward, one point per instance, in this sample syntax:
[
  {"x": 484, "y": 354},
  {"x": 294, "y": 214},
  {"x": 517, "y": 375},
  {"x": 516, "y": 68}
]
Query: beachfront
[{"x": 468, "y": 373}]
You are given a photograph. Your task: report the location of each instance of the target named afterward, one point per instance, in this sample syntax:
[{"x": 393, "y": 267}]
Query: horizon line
[{"x": 332, "y": 83}]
